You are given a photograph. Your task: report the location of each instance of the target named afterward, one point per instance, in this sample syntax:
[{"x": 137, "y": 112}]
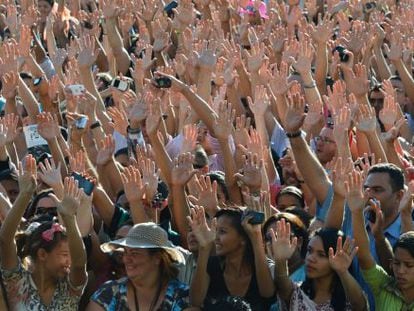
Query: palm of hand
[
  {"x": 340, "y": 262},
  {"x": 252, "y": 177},
  {"x": 355, "y": 199},
  {"x": 86, "y": 58},
  {"x": 48, "y": 130},
  {"x": 279, "y": 85},
  {"x": 109, "y": 10},
  {"x": 68, "y": 206},
  {"x": 204, "y": 234},
  {"x": 181, "y": 174},
  {"x": 207, "y": 59},
  {"x": 387, "y": 117},
  {"x": 293, "y": 121},
  {"x": 367, "y": 124},
  {"x": 133, "y": 191},
  {"x": 303, "y": 64},
  {"x": 104, "y": 155},
  {"x": 51, "y": 177},
  {"x": 254, "y": 63},
  {"x": 209, "y": 201},
  {"x": 27, "y": 182},
  {"x": 282, "y": 249}
]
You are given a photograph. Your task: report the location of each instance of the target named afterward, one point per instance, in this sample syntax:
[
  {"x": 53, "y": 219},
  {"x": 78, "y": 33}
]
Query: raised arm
[
  {"x": 340, "y": 261},
  {"x": 27, "y": 185},
  {"x": 67, "y": 208},
  {"x": 312, "y": 171},
  {"x": 111, "y": 12},
  {"x": 283, "y": 246},
  {"x": 355, "y": 199},
  {"x": 205, "y": 237}
]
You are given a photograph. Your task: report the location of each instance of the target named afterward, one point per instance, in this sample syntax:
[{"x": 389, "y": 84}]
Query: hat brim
[{"x": 119, "y": 244}]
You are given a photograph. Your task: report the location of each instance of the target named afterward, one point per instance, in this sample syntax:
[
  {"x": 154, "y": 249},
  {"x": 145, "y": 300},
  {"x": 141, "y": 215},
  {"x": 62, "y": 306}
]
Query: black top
[{"x": 218, "y": 290}]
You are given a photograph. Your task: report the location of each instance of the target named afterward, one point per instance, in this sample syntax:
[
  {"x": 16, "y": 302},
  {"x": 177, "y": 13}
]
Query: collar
[
  {"x": 391, "y": 287},
  {"x": 392, "y": 231}
]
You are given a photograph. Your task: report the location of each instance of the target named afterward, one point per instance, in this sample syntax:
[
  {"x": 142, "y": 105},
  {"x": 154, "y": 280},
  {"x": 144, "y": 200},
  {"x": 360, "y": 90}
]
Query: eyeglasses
[{"x": 323, "y": 139}]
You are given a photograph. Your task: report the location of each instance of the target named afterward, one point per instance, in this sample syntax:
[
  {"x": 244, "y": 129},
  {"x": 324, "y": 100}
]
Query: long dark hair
[
  {"x": 329, "y": 238},
  {"x": 235, "y": 216}
]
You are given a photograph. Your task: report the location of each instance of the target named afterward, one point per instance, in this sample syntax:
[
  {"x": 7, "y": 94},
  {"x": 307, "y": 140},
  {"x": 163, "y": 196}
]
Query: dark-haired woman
[
  {"x": 328, "y": 285},
  {"x": 58, "y": 259},
  {"x": 240, "y": 268}
]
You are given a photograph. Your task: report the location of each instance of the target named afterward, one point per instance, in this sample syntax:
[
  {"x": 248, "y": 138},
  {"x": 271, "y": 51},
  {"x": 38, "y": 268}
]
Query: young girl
[
  {"x": 57, "y": 274},
  {"x": 328, "y": 284}
]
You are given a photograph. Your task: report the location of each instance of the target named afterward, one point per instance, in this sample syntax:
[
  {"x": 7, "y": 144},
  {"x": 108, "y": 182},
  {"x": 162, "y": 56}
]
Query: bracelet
[
  {"x": 294, "y": 135},
  {"x": 311, "y": 86},
  {"x": 95, "y": 124}
]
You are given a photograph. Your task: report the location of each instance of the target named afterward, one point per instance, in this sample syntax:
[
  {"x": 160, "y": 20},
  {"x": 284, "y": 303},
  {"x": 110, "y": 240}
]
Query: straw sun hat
[{"x": 146, "y": 235}]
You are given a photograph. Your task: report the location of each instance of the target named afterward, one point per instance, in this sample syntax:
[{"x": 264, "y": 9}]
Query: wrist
[{"x": 294, "y": 134}]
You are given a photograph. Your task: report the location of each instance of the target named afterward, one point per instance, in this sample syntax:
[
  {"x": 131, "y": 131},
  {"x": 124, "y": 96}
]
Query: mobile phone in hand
[
  {"x": 119, "y": 84},
  {"x": 76, "y": 89},
  {"x": 257, "y": 217},
  {"x": 162, "y": 82},
  {"x": 83, "y": 183},
  {"x": 81, "y": 123}
]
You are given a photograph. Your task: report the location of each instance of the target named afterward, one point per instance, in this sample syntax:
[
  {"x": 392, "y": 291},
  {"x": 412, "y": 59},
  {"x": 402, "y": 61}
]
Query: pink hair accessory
[{"x": 48, "y": 235}]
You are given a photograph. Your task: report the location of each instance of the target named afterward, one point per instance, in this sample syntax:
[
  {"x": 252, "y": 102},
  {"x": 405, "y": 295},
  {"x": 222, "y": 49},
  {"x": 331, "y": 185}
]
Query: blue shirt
[{"x": 112, "y": 296}]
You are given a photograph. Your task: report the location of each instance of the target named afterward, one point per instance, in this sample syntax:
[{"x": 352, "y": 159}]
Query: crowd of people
[{"x": 206, "y": 155}]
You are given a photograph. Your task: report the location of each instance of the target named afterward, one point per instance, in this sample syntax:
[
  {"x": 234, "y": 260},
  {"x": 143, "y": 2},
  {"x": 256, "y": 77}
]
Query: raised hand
[
  {"x": 207, "y": 195},
  {"x": 342, "y": 122},
  {"x": 341, "y": 259},
  {"x": 182, "y": 170},
  {"x": 88, "y": 53},
  {"x": 389, "y": 112},
  {"x": 261, "y": 101},
  {"x": 353, "y": 191},
  {"x": 304, "y": 60},
  {"x": 106, "y": 151},
  {"x": 279, "y": 81},
  {"x": 10, "y": 82},
  {"x": 251, "y": 174},
  {"x": 70, "y": 203},
  {"x": 153, "y": 120},
  {"x": 340, "y": 171},
  {"x": 366, "y": 119},
  {"x": 150, "y": 177},
  {"x": 295, "y": 113},
  {"x": 119, "y": 120},
  {"x": 50, "y": 173},
  {"x": 357, "y": 81},
  {"x": 9, "y": 59},
  {"x": 256, "y": 57},
  {"x": 323, "y": 31},
  {"x": 48, "y": 126},
  {"x": 27, "y": 175},
  {"x": 110, "y": 9},
  {"x": 208, "y": 58},
  {"x": 134, "y": 187},
  {"x": 224, "y": 123},
  {"x": 189, "y": 142},
  {"x": 77, "y": 161},
  {"x": 283, "y": 245},
  {"x": 204, "y": 234},
  {"x": 8, "y": 129}
]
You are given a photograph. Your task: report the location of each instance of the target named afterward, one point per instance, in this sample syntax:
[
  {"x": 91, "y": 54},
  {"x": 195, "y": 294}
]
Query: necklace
[{"x": 154, "y": 301}]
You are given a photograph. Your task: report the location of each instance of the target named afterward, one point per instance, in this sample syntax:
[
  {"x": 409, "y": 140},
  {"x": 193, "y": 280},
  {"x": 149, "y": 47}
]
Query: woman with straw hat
[{"x": 151, "y": 283}]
